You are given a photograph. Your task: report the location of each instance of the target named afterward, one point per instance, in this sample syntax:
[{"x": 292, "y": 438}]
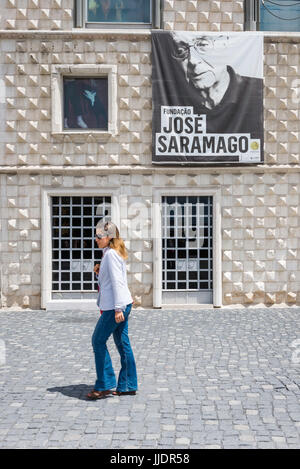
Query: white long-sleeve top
[{"x": 112, "y": 280}]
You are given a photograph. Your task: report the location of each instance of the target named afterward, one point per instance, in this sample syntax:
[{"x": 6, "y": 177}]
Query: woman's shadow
[{"x": 77, "y": 391}]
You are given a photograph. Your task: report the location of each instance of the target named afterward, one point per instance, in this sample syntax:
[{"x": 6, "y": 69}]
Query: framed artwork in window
[{"x": 85, "y": 103}]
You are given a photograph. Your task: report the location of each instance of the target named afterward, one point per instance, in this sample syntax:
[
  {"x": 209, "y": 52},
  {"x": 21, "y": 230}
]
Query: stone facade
[
  {"x": 191, "y": 15},
  {"x": 37, "y": 15},
  {"x": 260, "y": 205}
]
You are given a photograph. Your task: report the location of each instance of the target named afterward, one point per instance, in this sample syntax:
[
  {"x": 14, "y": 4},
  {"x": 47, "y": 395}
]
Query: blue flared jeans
[{"x": 106, "y": 379}]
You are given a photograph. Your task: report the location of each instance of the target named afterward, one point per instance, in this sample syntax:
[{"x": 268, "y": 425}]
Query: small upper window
[
  {"x": 84, "y": 101},
  {"x": 272, "y": 15},
  {"x": 117, "y": 13},
  {"x": 279, "y": 15}
]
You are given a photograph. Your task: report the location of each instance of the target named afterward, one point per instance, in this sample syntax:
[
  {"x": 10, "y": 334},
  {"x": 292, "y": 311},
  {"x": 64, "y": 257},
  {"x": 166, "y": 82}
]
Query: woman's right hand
[{"x": 96, "y": 268}]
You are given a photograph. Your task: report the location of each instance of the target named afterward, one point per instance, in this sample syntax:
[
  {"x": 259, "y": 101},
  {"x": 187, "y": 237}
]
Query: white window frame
[
  {"x": 251, "y": 14},
  {"x": 58, "y": 72},
  {"x": 158, "y": 192},
  {"x": 80, "y": 18},
  {"x": 46, "y": 262}
]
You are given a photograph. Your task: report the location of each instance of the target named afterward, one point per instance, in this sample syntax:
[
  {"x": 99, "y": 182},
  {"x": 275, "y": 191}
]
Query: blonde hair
[
  {"x": 119, "y": 245},
  {"x": 116, "y": 242}
]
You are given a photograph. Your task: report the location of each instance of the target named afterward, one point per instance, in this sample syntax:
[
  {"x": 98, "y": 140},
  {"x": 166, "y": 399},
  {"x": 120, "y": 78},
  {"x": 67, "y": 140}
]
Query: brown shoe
[{"x": 93, "y": 395}]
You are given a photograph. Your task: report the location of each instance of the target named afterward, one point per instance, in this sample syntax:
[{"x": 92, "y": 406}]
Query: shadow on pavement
[{"x": 78, "y": 391}]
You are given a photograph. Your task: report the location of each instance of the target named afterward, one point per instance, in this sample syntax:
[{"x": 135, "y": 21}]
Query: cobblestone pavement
[{"x": 207, "y": 379}]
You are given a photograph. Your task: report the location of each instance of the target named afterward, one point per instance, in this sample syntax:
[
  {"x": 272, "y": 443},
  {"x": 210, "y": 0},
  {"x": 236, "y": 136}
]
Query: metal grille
[
  {"x": 74, "y": 251},
  {"x": 187, "y": 251}
]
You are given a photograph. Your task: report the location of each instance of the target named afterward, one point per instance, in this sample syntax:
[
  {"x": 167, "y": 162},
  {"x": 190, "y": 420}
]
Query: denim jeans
[{"x": 106, "y": 378}]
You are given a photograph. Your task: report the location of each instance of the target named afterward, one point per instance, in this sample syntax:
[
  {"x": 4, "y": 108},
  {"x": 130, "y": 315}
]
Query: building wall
[
  {"x": 260, "y": 205},
  {"x": 36, "y": 14},
  {"x": 191, "y": 15}
]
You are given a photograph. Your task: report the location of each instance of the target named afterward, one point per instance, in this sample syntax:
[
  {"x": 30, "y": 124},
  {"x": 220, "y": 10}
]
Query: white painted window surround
[
  {"x": 157, "y": 239},
  {"x": 46, "y": 274},
  {"x": 58, "y": 72}
]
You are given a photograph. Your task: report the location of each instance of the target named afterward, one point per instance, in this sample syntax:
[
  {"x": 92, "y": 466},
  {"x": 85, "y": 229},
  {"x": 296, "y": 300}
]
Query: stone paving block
[{"x": 53, "y": 412}]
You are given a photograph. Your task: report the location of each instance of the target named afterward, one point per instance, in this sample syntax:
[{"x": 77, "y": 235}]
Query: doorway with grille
[{"x": 187, "y": 249}]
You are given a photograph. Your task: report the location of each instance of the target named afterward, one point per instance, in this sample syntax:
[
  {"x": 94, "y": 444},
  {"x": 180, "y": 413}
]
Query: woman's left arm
[{"x": 114, "y": 266}]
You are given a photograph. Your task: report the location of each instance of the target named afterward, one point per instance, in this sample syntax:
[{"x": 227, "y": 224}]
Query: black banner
[{"x": 207, "y": 97}]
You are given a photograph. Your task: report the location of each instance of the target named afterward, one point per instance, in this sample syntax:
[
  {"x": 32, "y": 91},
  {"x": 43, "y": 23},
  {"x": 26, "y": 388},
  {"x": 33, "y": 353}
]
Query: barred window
[{"x": 74, "y": 251}]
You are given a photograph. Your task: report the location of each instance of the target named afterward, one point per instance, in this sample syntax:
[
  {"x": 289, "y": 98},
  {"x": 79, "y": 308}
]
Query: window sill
[
  {"x": 280, "y": 36},
  {"x": 119, "y": 26},
  {"x": 277, "y": 36},
  {"x": 115, "y": 33},
  {"x": 77, "y": 33},
  {"x": 82, "y": 136}
]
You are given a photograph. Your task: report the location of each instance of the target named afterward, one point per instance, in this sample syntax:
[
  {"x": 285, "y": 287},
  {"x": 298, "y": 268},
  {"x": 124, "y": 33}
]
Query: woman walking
[{"x": 115, "y": 303}]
